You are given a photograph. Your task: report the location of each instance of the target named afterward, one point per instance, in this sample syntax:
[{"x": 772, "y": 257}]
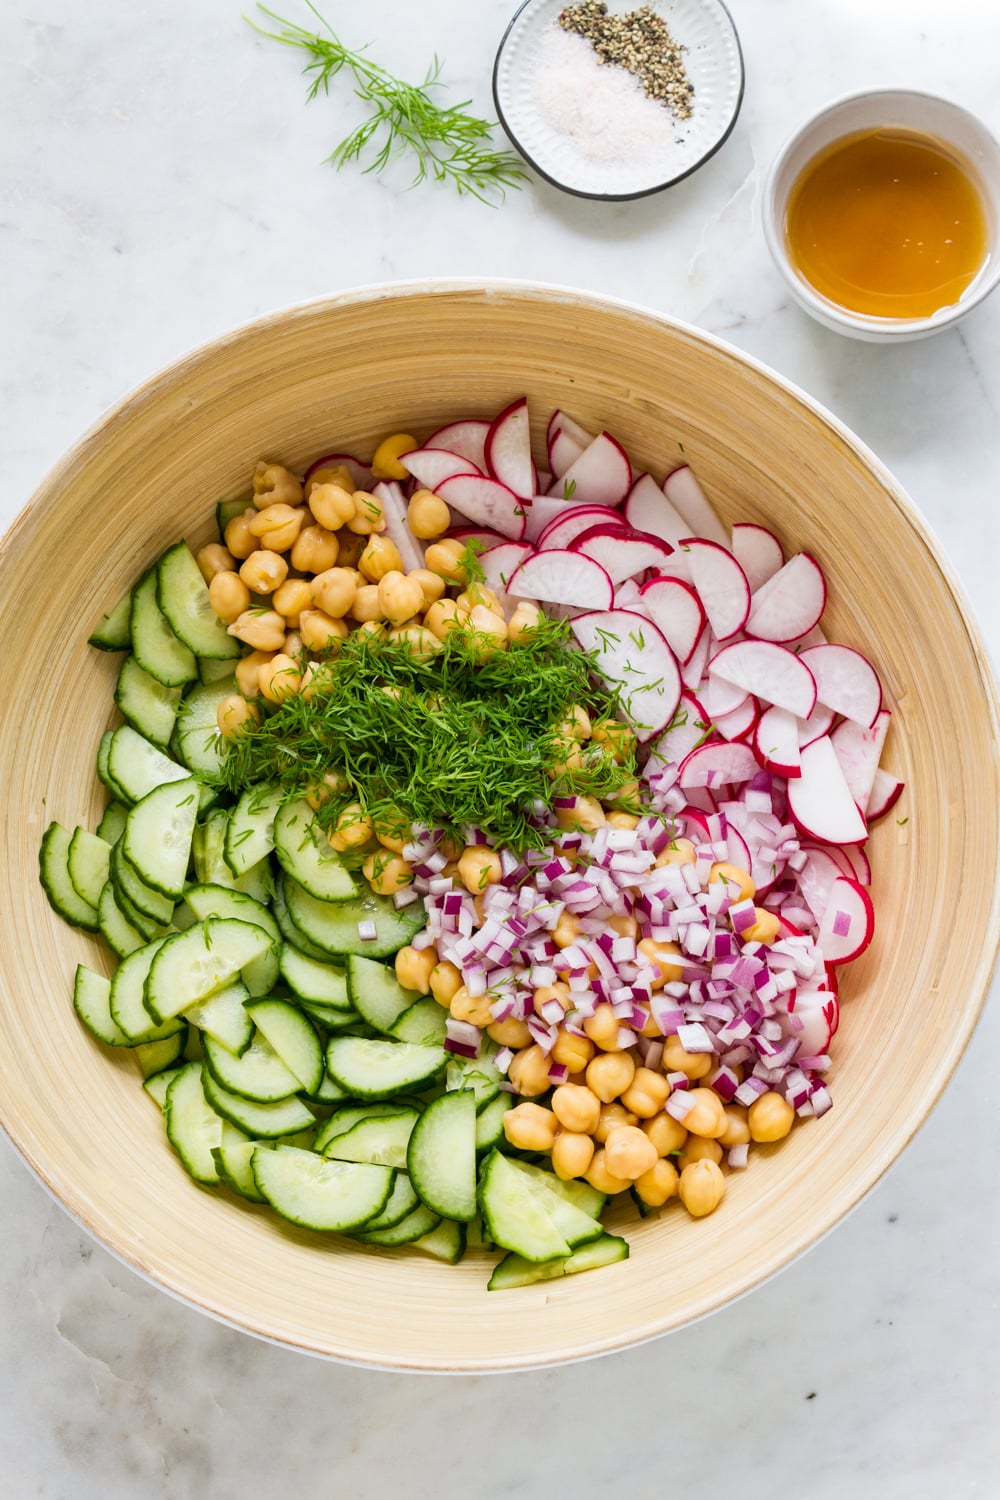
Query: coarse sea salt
[{"x": 601, "y": 109}]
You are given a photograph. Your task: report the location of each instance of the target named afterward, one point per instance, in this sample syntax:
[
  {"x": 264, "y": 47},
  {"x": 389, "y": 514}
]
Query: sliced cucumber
[
  {"x": 206, "y": 901},
  {"x": 514, "y": 1271},
  {"x": 402, "y": 1202},
  {"x": 293, "y": 1038},
  {"x": 441, "y": 1157},
  {"x": 228, "y": 510},
  {"x": 126, "y": 999},
  {"x": 425, "y": 1023},
  {"x": 257, "y": 1074},
  {"x": 92, "y": 1003},
  {"x": 320, "y": 983},
  {"x": 304, "y": 854},
  {"x": 376, "y": 993},
  {"x": 382, "y": 1140},
  {"x": 136, "y": 765},
  {"x": 446, "y": 1242},
  {"x": 420, "y": 1222},
  {"x": 182, "y": 595},
  {"x": 232, "y": 1157},
  {"x": 118, "y": 932},
  {"x": 53, "y": 866},
  {"x": 292, "y": 934},
  {"x": 319, "y": 1194},
  {"x": 376, "y": 1069},
  {"x": 513, "y": 1217},
  {"x": 210, "y": 866},
  {"x": 146, "y": 704},
  {"x": 331, "y": 1019},
  {"x": 582, "y": 1196},
  {"x": 333, "y": 926},
  {"x": 262, "y": 1121},
  {"x": 194, "y": 964},
  {"x": 193, "y": 1127},
  {"x": 157, "y": 1085},
  {"x": 489, "y": 1122},
  {"x": 154, "y": 645},
  {"x": 576, "y": 1226},
  {"x": 158, "y": 833},
  {"x": 329, "y": 1092},
  {"x": 103, "y": 774},
  {"x": 344, "y": 1119},
  {"x": 112, "y": 824},
  {"x": 155, "y": 1057},
  {"x": 112, "y": 632},
  {"x": 200, "y": 743},
  {"x": 140, "y": 903},
  {"x": 224, "y": 1017},
  {"x": 87, "y": 862},
  {"x": 476, "y": 1073},
  {"x": 250, "y": 835}
]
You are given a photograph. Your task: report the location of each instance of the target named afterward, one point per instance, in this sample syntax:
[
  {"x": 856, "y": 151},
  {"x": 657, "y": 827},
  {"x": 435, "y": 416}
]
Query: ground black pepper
[{"x": 641, "y": 43}]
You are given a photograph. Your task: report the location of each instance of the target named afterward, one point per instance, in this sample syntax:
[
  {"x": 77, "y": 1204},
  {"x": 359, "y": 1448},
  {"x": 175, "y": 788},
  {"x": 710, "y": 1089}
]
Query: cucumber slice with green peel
[
  {"x": 136, "y": 765},
  {"x": 182, "y": 595},
  {"x": 112, "y": 824},
  {"x": 157, "y": 1084},
  {"x": 515, "y": 1215},
  {"x": 292, "y": 935},
  {"x": 228, "y": 510},
  {"x": 319, "y": 983},
  {"x": 140, "y": 903},
  {"x": 476, "y": 1236},
  {"x": 193, "y": 1127},
  {"x": 224, "y": 1017},
  {"x": 87, "y": 862},
  {"x": 376, "y": 993},
  {"x": 489, "y": 1122},
  {"x": 112, "y": 632},
  {"x": 250, "y": 834},
  {"x": 120, "y": 934},
  {"x": 402, "y": 1202},
  {"x": 344, "y": 1119},
  {"x": 146, "y": 704},
  {"x": 382, "y": 1140},
  {"x": 303, "y": 853},
  {"x": 103, "y": 774},
  {"x": 424, "y": 1023},
  {"x": 319, "y": 1194},
  {"x": 446, "y": 1242},
  {"x": 154, "y": 645},
  {"x": 156, "y": 1057},
  {"x": 329, "y": 1092},
  {"x": 416, "y": 1224},
  {"x": 257, "y": 1074},
  {"x": 210, "y": 867},
  {"x": 232, "y": 1159},
  {"x": 158, "y": 833},
  {"x": 514, "y": 1271},
  {"x": 53, "y": 868},
  {"x": 331, "y": 1020},
  {"x": 336, "y": 927},
  {"x": 92, "y": 1003},
  {"x": 374, "y": 1069},
  {"x": 441, "y": 1157},
  {"x": 582, "y": 1196},
  {"x": 476, "y": 1073},
  {"x": 194, "y": 964},
  {"x": 199, "y": 741},
  {"x": 576, "y": 1226},
  {"x": 262, "y": 1121},
  {"x": 126, "y": 999},
  {"x": 214, "y": 671},
  {"x": 293, "y": 1038},
  {"x": 206, "y": 901}
]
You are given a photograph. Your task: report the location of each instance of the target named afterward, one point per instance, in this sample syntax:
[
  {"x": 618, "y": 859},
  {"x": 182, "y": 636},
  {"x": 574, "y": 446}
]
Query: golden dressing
[{"x": 887, "y": 223}]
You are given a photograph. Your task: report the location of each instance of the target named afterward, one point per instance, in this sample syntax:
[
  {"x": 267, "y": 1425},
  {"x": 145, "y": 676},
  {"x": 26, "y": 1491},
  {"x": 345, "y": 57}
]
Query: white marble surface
[{"x": 161, "y": 180}]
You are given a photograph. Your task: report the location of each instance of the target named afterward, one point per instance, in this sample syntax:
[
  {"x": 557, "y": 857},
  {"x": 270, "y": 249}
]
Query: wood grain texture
[{"x": 339, "y": 375}]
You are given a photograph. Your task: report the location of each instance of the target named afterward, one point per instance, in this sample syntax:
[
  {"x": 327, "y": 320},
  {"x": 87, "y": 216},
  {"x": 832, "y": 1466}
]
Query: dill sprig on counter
[{"x": 449, "y": 742}]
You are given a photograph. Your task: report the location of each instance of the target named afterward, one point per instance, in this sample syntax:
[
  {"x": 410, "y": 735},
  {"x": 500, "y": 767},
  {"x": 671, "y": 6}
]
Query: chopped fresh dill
[
  {"x": 468, "y": 564},
  {"x": 569, "y": 488}
]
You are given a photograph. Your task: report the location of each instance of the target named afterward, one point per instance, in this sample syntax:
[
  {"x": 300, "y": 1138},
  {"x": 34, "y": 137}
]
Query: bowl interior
[{"x": 340, "y": 374}]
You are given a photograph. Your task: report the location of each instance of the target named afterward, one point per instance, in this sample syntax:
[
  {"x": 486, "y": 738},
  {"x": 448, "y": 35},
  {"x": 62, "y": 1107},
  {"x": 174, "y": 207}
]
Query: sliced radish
[
  {"x": 718, "y": 764},
  {"x": 431, "y": 466},
  {"x": 740, "y": 723},
  {"x": 817, "y": 877},
  {"x": 859, "y": 752},
  {"x": 721, "y": 585},
  {"x": 693, "y": 505},
  {"x": 693, "y": 669},
  {"x": 486, "y": 539},
  {"x": 689, "y": 729},
  {"x": 858, "y": 862},
  {"x": 563, "y": 451},
  {"x": 702, "y": 800},
  {"x": 776, "y": 741},
  {"x": 648, "y": 509},
  {"x": 674, "y": 606},
  {"x": 695, "y": 822},
  {"x": 499, "y": 564},
  {"x": 360, "y": 473},
  {"x": 790, "y": 603},
  {"x": 820, "y": 800},
  {"x": 886, "y": 792},
  {"x": 757, "y": 551},
  {"x": 621, "y": 551},
  {"x": 558, "y": 577},
  {"x": 571, "y": 520},
  {"x": 630, "y": 654},
  {"x": 508, "y": 449},
  {"x": 846, "y": 682},
  {"x": 819, "y": 1012},
  {"x": 848, "y": 924},
  {"x": 396, "y": 526},
  {"x": 467, "y": 438},
  {"x": 487, "y": 501},
  {"x": 738, "y": 850},
  {"x": 770, "y": 672},
  {"x": 717, "y": 696},
  {"x": 602, "y": 475},
  {"x": 816, "y": 725},
  {"x": 561, "y": 422}
]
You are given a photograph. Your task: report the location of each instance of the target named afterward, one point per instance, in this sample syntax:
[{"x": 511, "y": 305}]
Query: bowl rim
[{"x": 980, "y": 983}]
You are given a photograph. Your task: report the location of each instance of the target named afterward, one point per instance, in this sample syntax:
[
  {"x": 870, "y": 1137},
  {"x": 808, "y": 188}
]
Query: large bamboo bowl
[{"x": 337, "y": 374}]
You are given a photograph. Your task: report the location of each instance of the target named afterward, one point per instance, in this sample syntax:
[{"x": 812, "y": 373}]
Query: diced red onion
[
  {"x": 367, "y": 931},
  {"x": 737, "y": 1155},
  {"x": 462, "y": 1038}
]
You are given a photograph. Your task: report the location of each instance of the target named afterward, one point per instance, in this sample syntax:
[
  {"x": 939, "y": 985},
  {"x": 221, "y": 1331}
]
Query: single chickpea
[
  {"x": 566, "y": 930},
  {"x": 335, "y": 592},
  {"x": 586, "y": 815},
  {"x": 387, "y": 873},
  {"x": 661, "y": 956},
  {"x": 431, "y": 585},
  {"x": 701, "y": 1188},
  {"x": 574, "y": 1052},
  {"x": 280, "y": 678},
  {"x": 770, "y": 1117},
  {"x": 529, "y": 1127},
  {"x": 479, "y": 593},
  {"x": 737, "y": 1131},
  {"x": 248, "y": 672},
  {"x": 609, "y": 1075},
  {"x": 445, "y": 981},
  {"x": 612, "y": 1116},
  {"x": 566, "y": 756},
  {"x": 228, "y": 596},
  {"x": 445, "y": 559},
  {"x": 277, "y": 527},
  {"x": 293, "y": 642},
  {"x": 677, "y": 852},
  {"x": 545, "y": 993},
  {"x": 332, "y": 506},
  {"x": 413, "y": 968},
  {"x": 576, "y": 723},
  {"x": 443, "y": 617},
  {"x": 290, "y": 599},
  {"x": 628, "y": 1152},
  {"x": 338, "y": 474},
  {"x": 427, "y": 515},
  {"x": 675, "y": 1060},
  {"x": 351, "y": 830},
  {"x": 667, "y": 1134},
  {"x": 476, "y": 1009},
  {"x": 526, "y": 618},
  {"x": 264, "y": 571},
  {"x": 273, "y": 483},
  {"x": 263, "y": 629},
  {"x": 319, "y": 632},
  {"x": 602, "y": 1028},
  {"x": 572, "y": 1155},
  {"x": 622, "y": 820},
  {"x": 366, "y": 607},
  {"x": 624, "y": 926},
  {"x": 529, "y": 1071},
  {"x": 479, "y": 867},
  {"x": 629, "y": 794},
  {"x": 765, "y": 929},
  {"x": 646, "y": 1094},
  {"x": 369, "y": 514},
  {"x": 701, "y": 1148},
  {"x": 380, "y": 557},
  {"x": 614, "y": 738},
  {"x": 386, "y": 462},
  {"x": 399, "y": 597},
  {"x": 214, "y": 558},
  {"x": 510, "y": 1033},
  {"x": 351, "y": 548},
  {"x": 657, "y": 1185},
  {"x": 234, "y": 714},
  {"x": 240, "y": 540},
  {"x": 706, "y": 1115},
  {"x": 315, "y": 549},
  {"x": 600, "y": 1176},
  {"x": 487, "y": 632},
  {"x": 739, "y": 886},
  {"x": 421, "y": 645},
  {"x": 333, "y": 784},
  {"x": 576, "y": 1108}
]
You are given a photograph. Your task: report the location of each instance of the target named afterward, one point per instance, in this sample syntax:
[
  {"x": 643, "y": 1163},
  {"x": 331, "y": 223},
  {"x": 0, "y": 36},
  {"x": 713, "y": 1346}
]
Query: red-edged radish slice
[
  {"x": 431, "y": 466},
  {"x": 689, "y": 729},
  {"x": 360, "y": 473},
  {"x": 648, "y": 509},
  {"x": 819, "y": 1012},
  {"x": 738, "y": 848},
  {"x": 721, "y": 584},
  {"x": 499, "y": 564},
  {"x": 487, "y": 501},
  {"x": 776, "y": 741},
  {"x": 396, "y": 528},
  {"x": 559, "y": 421},
  {"x": 602, "y": 475},
  {"x": 816, "y": 878},
  {"x": 886, "y": 792},
  {"x": 674, "y": 606},
  {"x": 701, "y": 798},
  {"x": 741, "y": 723},
  {"x": 846, "y": 682},
  {"x": 693, "y": 669},
  {"x": 621, "y": 551},
  {"x": 571, "y": 520},
  {"x": 857, "y": 859},
  {"x": 508, "y": 449},
  {"x": 467, "y": 437},
  {"x": 694, "y": 821},
  {"x": 717, "y": 696},
  {"x": 820, "y": 800},
  {"x": 816, "y": 725},
  {"x": 486, "y": 539},
  {"x": 631, "y": 655},
  {"x": 770, "y": 672},
  {"x": 558, "y": 577},
  {"x": 757, "y": 551},
  {"x": 859, "y": 752},
  {"x": 848, "y": 924},
  {"x": 563, "y": 452},
  {"x": 718, "y": 764},
  {"x": 790, "y": 603},
  {"x": 693, "y": 505}
]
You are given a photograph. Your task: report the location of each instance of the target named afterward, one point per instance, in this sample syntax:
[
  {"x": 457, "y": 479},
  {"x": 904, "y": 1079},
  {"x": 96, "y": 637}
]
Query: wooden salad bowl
[{"x": 339, "y": 374}]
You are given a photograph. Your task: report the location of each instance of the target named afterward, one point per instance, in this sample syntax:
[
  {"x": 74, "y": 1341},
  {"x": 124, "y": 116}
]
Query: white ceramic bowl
[{"x": 887, "y": 109}]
